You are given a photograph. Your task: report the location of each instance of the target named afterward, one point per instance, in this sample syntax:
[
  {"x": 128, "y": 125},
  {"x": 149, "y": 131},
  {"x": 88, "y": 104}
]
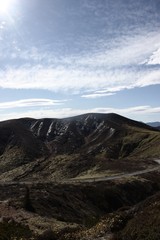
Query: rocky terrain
[{"x": 57, "y": 178}]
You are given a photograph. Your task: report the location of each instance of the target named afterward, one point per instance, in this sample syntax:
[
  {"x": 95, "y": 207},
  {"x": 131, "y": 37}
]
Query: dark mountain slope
[
  {"x": 78, "y": 146},
  {"x": 67, "y": 135},
  {"x": 18, "y": 146}
]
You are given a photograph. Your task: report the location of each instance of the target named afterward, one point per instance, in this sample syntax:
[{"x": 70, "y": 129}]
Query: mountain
[
  {"x": 81, "y": 146},
  {"x": 51, "y": 171},
  {"x": 154, "y": 124}
]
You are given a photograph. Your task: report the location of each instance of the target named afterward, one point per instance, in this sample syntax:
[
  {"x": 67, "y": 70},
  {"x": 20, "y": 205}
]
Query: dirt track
[{"x": 89, "y": 180}]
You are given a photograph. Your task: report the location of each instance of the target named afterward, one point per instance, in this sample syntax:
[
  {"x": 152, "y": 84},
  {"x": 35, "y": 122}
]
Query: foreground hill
[
  {"x": 119, "y": 210},
  {"x": 82, "y": 146}
]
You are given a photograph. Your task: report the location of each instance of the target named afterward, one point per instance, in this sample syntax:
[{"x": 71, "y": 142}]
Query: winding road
[
  {"x": 119, "y": 176},
  {"x": 89, "y": 180}
]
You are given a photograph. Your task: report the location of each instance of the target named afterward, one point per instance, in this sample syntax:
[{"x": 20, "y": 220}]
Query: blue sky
[{"x": 61, "y": 58}]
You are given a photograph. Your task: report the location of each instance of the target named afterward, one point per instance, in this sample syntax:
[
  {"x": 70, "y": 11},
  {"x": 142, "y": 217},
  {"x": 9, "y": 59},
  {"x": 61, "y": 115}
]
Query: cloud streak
[
  {"x": 30, "y": 103},
  {"x": 97, "y": 95},
  {"x": 63, "y": 79}
]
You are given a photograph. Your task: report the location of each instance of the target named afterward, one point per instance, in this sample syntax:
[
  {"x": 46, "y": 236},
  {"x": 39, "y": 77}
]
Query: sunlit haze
[{"x": 5, "y": 5}]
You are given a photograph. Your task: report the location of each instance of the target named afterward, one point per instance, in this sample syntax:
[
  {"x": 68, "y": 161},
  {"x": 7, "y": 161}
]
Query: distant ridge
[{"x": 154, "y": 124}]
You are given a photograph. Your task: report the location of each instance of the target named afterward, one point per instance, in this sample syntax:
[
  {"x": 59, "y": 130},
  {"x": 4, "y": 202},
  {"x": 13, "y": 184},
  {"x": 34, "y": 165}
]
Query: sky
[{"x": 61, "y": 58}]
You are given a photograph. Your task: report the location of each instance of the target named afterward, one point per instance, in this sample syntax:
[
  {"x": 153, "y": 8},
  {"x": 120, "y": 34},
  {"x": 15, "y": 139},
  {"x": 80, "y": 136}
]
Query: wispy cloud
[
  {"x": 78, "y": 80},
  {"x": 129, "y": 64},
  {"x": 97, "y": 95},
  {"x": 122, "y": 62},
  {"x": 30, "y": 103},
  {"x": 154, "y": 58},
  {"x": 131, "y": 50}
]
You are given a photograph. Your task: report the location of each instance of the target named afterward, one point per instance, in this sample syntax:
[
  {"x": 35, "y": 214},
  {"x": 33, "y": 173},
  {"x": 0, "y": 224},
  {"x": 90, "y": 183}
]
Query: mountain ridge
[
  {"x": 83, "y": 145},
  {"x": 153, "y": 124}
]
